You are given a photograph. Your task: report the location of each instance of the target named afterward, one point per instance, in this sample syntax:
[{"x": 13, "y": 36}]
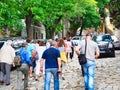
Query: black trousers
[
  {"x": 82, "y": 70},
  {"x": 72, "y": 53}
]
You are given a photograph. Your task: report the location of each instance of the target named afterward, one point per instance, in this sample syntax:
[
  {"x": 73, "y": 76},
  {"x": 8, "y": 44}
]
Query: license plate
[{"x": 102, "y": 51}]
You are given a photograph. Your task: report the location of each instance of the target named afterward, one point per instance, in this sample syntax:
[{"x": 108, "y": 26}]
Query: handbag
[
  {"x": 63, "y": 57},
  {"x": 82, "y": 57}
]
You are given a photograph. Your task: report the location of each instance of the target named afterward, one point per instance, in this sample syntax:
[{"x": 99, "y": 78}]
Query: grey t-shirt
[{"x": 91, "y": 49}]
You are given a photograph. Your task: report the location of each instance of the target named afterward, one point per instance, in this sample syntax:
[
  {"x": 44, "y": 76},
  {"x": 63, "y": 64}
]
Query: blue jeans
[
  {"x": 89, "y": 69},
  {"x": 48, "y": 75}
]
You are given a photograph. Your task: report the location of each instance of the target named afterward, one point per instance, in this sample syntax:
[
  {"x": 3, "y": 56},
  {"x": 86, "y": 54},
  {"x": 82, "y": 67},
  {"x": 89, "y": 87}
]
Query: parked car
[
  {"x": 116, "y": 42},
  {"x": 76, "y": 40},
  {"x": 17, "y": 41},
  {"x": 1, "y": 44},
  {"x": 105, "y": 44}
]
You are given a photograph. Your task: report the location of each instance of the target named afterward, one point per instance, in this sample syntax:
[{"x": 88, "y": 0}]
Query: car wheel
[{"x": 112, "y": 54}]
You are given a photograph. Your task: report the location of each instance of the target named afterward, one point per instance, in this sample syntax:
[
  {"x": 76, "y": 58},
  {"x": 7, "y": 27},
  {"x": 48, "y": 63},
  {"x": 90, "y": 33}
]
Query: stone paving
[{"x": 107, "y": 76}]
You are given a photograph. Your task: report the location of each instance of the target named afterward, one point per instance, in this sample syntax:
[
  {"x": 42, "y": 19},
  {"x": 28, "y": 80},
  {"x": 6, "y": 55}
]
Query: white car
[
  {"x": 76, "y": 40},
  {"x": 116, "y": 42}
]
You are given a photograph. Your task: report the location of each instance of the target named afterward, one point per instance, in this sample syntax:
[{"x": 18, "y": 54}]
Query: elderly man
[{"x": 7, "y": 58}]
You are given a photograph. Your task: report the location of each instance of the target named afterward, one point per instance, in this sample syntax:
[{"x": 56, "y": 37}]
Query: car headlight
[{"x": 110, "y": 46}]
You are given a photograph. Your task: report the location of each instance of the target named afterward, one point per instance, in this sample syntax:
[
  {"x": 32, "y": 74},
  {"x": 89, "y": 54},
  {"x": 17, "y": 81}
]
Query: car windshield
[
  {"x": 103, "y": 38},
  {"x": 99, "y": 38},
  {"x": 76, "y": 38}
]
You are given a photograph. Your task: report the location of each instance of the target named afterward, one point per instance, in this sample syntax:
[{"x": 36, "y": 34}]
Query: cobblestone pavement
[{"x": 107, "y": 76}]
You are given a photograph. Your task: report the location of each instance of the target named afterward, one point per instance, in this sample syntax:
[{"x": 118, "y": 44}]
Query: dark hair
[
  {"x": 68, "y": 39},
  {"x": 41, "y": 43},
  {"x": 24, "y": 44},
  {"x": 28, "y": 40},
  {"x": 89, "y": 34},
  {"x": 64, "y": 38}
]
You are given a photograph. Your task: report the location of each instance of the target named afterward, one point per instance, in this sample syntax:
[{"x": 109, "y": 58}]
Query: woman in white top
[
  {"x": 40, "y": 49},
  {"x": 68, "y": 47}
]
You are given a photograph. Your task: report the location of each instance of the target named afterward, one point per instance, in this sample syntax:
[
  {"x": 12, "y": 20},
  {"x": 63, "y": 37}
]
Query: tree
[
  {"x": 8, "y": 15},
  {"x": 49, "y": 12},
  {"x": 86, "y": 14},
  {"x": 81, "y": 13},
  {"x": 101, "y": 5},
  {"x": 114, "y": 7},
  {"x": 53, "y": 12}
]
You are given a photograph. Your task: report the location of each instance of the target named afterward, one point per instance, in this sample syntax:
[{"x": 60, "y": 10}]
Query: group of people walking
[{"x": 50, "y": 60}]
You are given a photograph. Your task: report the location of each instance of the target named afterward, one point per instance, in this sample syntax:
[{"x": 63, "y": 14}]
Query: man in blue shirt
[
  {"x": 26, "y": 62},
  {"x": 52, "y": 66},
  {"x": 30, "y": 48}
]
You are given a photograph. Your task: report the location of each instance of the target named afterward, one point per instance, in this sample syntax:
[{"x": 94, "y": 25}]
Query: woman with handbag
[{"x": 62, "y": 47}]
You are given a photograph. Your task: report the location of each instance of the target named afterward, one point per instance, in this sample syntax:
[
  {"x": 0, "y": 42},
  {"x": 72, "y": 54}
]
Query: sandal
[
  {"x": 36, "y": 80},
  {"x": 31, "y": 76}
]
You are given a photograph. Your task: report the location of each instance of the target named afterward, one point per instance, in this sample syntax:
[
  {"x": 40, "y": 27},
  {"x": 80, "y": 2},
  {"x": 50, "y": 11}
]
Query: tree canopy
[
  {"x": 114, "y": 7},
  {"x": 51, "y": 13}
]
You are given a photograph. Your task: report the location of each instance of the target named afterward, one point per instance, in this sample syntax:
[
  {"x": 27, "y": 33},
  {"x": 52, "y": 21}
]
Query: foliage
[
  {"x": 92, "y": 18},
  {"x": 114, "y": 7},
  {"x": 9, "y": 14},
  {"x": 101, "y": 5},
  {"x": 49, "y": 12},
  {"x": 52, "y": 13},
  {"x": 87, "y": 15}
]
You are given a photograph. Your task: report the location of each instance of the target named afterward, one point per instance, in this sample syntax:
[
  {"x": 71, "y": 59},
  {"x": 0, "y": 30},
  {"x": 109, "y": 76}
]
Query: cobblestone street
[{"x": 107, "y": 76}]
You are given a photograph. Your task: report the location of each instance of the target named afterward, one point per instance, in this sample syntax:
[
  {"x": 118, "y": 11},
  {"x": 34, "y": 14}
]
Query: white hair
[{"x": 9, "y": 42}]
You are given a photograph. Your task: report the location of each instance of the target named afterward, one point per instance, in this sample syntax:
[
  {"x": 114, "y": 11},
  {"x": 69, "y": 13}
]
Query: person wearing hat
[
  {"x": 26, "y": 62},
  {"x": 92, "y": 52},
  {"x": 52, "y": 66}
]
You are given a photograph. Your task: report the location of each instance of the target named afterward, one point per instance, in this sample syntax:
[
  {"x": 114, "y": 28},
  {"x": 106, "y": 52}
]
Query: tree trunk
[
  {"x": 81, "y": 30},
  {"x": 73, "y": 32},
  {"x": 52, "y": 31},
  {"x": 28, "y": 25},
  {"x": 7, "y": 33}
]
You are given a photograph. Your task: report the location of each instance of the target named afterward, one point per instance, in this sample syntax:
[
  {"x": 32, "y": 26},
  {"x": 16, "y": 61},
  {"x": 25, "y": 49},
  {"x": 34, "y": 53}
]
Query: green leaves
[
  {"x": 52, "y": 12},
  {"x": 114, "y": 7}
]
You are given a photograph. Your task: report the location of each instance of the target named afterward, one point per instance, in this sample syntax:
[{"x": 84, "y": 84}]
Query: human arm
[
  {"x": 13, "y": 56},
  {"x": 77, "y": 50},
  {"x": 41, "y": 63},
  {"x": 97, "y": 54},
  {"x": 59, "y": 64},
  {"x": 59, "y": 61}
]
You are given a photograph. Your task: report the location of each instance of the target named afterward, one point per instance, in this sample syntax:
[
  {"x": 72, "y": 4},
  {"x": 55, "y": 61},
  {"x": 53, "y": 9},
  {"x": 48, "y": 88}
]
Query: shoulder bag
[{"x": 82, "y": 57}]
